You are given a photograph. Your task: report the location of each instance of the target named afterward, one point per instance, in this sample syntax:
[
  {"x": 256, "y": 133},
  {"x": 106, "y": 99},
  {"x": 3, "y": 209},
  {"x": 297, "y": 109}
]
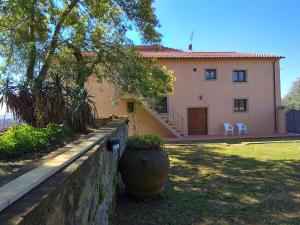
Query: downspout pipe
[{"x": 274, "y": 93}]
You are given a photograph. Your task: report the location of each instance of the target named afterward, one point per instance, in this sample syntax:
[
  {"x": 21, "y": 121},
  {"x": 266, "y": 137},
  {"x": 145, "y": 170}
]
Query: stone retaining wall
[{"x": 80, "y": 194}]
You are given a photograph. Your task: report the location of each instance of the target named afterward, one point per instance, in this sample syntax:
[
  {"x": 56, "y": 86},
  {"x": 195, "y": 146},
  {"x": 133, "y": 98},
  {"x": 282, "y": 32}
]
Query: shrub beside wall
[{"x": 20, "y": 139}]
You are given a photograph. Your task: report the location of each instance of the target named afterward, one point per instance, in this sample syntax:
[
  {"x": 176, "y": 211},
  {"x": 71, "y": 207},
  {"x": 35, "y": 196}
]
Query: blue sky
[{"x": 260, "y": 26}]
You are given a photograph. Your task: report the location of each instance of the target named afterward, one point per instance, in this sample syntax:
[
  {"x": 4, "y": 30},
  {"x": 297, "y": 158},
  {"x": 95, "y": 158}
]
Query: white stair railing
[{"x": 175, "y": 119}]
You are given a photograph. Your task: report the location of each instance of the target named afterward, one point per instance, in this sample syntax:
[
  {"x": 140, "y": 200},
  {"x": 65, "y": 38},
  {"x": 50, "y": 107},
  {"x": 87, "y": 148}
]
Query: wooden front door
[{"x": 197, "y": 121}]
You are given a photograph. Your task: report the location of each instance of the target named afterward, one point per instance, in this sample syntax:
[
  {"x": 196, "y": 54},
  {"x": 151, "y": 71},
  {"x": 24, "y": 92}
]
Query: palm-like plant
[
  {"x": 51, "y": 100},
  {"x": 7, "y": 93},
  {"x": 80, "y": 109},
  {"x": 25, "y": 107},
  {"x": 17, "y": 99},
  {"x": 54, "y": 103}
]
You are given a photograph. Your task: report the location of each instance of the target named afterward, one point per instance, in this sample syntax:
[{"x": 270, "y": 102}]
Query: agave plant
[{"x": 81, "y": 109}]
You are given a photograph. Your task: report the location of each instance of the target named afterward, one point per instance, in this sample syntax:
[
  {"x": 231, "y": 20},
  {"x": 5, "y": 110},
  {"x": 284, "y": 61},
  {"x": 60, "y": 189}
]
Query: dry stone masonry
[{"x": 83, "y": 193}]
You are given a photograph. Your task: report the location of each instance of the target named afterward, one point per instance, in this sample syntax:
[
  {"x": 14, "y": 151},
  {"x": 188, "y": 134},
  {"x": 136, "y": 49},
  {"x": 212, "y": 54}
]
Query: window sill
[{"x": 240, "y": 111}]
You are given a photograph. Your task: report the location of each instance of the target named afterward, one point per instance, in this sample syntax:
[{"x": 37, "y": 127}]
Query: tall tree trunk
[{"x": 37, "y": 85}]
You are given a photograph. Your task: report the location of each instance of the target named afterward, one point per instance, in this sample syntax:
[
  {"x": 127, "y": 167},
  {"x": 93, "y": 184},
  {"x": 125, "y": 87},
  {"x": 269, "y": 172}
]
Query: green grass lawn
[{"x": 238, "y": 182}]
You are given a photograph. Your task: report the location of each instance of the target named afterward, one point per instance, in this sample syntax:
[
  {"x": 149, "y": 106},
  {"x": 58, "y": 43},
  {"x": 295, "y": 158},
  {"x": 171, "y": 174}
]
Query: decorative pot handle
[{"x": 146, "y": 160}]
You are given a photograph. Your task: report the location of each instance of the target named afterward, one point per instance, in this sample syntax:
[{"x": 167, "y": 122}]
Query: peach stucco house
[{"x": 210, "y": 88}]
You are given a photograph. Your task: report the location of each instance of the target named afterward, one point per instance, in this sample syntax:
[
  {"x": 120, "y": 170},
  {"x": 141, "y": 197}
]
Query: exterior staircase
[{"x": 170, "y": 120}]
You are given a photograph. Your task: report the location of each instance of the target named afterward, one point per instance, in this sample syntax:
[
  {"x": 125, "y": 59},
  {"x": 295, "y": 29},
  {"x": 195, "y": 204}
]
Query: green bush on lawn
[{"x": 24, "y": 138}]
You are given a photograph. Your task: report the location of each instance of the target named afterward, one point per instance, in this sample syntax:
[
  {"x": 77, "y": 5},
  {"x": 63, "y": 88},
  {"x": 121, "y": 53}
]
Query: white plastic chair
[
  {"x": 228, "y": 128},
  {"x": 241, "y": 127}
]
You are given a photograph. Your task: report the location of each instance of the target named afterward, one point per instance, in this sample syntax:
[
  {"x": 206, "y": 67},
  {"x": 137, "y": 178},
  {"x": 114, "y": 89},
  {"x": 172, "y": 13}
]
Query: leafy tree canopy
[
  {"x": 86, "y": 37},
  {"x": 292, "y": 99}
]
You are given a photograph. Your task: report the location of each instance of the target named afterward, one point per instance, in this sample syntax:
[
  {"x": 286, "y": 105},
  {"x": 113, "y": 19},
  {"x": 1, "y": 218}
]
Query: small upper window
[
  {"x": 239, "y": 76},
  {"x": 210, "y": 74},
  {"x": 130, "y": 107},
  {"x": 240, "y": 105}
]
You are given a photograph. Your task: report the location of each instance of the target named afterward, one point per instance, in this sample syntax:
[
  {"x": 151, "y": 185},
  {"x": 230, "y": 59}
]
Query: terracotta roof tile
[
  {"x": 162, "y": 52},
  {"x": 205, "y": 55}
]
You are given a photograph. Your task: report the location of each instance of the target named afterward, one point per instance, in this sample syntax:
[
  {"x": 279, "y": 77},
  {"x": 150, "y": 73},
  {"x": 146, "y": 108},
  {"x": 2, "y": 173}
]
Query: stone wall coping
[{"x": 18, "y": 187}]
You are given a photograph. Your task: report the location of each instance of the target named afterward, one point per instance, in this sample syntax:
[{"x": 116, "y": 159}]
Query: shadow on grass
[
  {"x": 237, "y": 141},
  {"x": 206, "y": 187}
]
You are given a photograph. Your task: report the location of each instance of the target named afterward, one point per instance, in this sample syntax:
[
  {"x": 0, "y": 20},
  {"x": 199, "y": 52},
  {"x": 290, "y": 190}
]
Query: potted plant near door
[{"x": 144, "y": 166}]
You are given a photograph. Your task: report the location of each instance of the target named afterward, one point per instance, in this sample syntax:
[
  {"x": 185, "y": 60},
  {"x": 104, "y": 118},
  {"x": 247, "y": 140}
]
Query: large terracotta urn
[{"x": 144, "y": 169}]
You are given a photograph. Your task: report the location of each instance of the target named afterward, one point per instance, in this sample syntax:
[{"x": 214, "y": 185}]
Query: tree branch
[{"x": 54, "y": 40}]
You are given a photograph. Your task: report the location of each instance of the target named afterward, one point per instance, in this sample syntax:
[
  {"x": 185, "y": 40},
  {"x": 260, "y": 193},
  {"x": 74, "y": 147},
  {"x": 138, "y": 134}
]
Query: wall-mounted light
[
  {"x": 113, "y": 144},
  {"x": 200, "y": 97}
]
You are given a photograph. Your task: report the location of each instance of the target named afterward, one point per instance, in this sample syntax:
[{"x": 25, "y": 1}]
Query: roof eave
[{"x": 179, "y": 57}]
